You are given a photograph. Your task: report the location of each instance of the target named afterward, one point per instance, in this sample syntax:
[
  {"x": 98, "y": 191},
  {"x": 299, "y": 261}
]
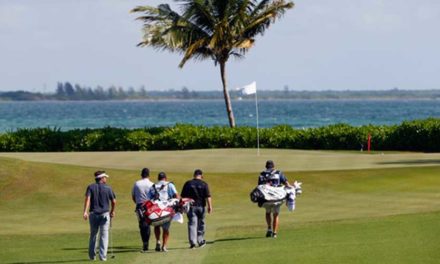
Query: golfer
[
  {"x": 198, "y": 190},
  {"x": 275, "y": 178},
  {"x": 162, "y": 191},
  {"x": 139, "y": 194},
  {"x": 96, "y": 208}
]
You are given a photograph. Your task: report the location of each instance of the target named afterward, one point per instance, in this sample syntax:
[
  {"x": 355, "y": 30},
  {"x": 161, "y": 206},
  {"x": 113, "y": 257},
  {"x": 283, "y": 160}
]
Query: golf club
[{"x": 111, "y": 240}]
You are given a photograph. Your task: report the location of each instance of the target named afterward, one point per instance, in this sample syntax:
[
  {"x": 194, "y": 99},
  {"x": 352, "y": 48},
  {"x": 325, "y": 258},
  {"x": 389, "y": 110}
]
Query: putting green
[
  {"x": 346, "y": 215},
  {"x": 235, "y": 160}
]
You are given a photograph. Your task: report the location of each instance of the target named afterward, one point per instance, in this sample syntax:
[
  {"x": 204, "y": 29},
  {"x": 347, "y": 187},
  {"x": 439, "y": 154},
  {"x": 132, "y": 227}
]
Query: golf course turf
[{"x": 355, "y": 208}]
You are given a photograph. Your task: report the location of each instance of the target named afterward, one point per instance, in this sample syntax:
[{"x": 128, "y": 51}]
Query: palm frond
[
  {"x": 214, "y": 29},
  {"x": 262, "y": 19}
]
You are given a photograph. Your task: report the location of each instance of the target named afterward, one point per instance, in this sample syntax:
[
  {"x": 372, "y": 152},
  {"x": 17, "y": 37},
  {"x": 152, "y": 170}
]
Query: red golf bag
[{"x": 156, "y": 212}]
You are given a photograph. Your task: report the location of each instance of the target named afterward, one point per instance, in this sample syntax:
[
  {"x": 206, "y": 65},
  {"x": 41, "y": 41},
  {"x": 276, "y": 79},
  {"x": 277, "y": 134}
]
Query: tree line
[{"x": 69, "y": 91}]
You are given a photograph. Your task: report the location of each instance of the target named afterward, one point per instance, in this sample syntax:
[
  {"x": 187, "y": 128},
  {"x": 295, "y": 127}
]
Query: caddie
[{"x": 275, "y": 178}]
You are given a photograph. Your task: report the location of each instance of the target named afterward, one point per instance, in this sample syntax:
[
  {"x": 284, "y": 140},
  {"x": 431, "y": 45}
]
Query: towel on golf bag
[{"x": 158, "y": 212}]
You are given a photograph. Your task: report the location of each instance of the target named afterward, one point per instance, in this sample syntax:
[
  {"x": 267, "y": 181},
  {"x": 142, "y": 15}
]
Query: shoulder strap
[
  {"x": 156, "y": 193},
  {"x": 163, "y": 186},
  {"x": 275, "y": 172}
]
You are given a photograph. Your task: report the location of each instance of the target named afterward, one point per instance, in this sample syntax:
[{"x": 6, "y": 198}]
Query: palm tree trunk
[{"x": 226, "y": 95}]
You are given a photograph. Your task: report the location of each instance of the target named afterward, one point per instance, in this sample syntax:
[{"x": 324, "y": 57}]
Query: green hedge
[{"x": 417, "y": 135}]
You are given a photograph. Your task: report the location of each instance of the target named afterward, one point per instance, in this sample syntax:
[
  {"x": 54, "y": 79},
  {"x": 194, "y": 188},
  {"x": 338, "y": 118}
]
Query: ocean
[{"x": 67, "y": 115}]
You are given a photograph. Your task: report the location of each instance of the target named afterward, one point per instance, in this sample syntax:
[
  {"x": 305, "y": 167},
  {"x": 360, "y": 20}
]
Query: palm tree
[{"x": 210, "y": 29}]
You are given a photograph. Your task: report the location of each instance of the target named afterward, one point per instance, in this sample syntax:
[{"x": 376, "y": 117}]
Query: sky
[{"x": 318, "y": 45}]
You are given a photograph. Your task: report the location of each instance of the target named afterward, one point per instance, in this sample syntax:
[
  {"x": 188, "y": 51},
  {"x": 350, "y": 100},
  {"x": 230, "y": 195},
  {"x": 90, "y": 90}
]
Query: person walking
[
  {"x": 139, "y": 194},
  {"x": 275, "y": 178},
  {"x": 198, "y": 190},
  {"x": 162, "y": 191},
  {"x": 97, "y": 210}
]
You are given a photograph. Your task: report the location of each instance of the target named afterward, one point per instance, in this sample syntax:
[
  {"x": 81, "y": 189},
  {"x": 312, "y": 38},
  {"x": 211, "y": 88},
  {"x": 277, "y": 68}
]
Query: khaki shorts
[{"x": 272, "y": 208}]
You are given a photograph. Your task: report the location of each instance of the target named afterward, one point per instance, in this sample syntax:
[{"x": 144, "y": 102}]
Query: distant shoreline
[
  {"x": 83, "y": 94},
  {"x": 233, "y": 100}
]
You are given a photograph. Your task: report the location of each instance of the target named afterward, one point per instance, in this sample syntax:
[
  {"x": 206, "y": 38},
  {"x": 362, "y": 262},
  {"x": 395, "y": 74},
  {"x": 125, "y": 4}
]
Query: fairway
[{"x": 356, "y": 207}]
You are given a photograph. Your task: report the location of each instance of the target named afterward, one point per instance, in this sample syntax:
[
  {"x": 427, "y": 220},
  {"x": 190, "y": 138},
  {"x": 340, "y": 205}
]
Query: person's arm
[
  {"x": 174, "y": 192},
  {"x": 208, "y": 198},
  {"x": 184, "y": 193},
  {"x": 112, "y": 212},
  {"x": 209, "y": 201},
  {"x": 284, "y": 180},
  {"x": 133, "y": 197},
  {"x": 260, "y": 180},
  {"x": 86, "y": 207}
]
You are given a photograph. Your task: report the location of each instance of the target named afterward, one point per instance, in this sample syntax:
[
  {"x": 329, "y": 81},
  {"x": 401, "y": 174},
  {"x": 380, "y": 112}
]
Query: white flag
[{"x": 249, "y": 89}]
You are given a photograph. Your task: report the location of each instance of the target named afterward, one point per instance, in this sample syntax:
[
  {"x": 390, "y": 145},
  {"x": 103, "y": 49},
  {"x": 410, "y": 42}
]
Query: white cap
[{"x": 102, "y": 175}]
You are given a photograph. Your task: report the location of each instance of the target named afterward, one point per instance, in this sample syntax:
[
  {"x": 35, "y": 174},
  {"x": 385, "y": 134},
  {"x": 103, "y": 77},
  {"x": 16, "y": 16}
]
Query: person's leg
[
  {"x": 94, "y": 227},
  {"x": 192, "y": 227},
  {"x": 276, "y": 213},
  {"x": 145, "y": 234},
  {"x": 165, "y": 236},
  {"x": 275, "y": 222},
  {"x": 201, "y": 226},
  {"x": 104, "y": 225},
  {"x": 157, "y": 235},
  {"x": 269, "y": 221},
  {"x": 144, "y": 228},
  {"x": 268, "y": 208}
]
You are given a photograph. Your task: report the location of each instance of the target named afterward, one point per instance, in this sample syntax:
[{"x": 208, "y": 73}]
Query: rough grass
[{"x": 344, "y": 216}]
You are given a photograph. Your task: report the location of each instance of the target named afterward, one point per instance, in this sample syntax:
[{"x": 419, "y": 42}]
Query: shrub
[{"x": 417, "y": 135}]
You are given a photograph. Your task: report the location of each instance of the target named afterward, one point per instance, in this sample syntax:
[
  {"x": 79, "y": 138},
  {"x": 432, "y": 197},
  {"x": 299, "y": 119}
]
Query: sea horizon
[{"x": 299, "y": 113}]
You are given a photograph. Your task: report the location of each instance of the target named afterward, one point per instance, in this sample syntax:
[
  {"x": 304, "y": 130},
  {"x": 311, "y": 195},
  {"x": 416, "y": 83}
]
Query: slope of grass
[{"x": 347, "y": 216}]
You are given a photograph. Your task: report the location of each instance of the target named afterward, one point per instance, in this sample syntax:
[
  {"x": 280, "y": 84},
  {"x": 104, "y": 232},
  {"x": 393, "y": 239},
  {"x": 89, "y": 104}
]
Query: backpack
[
  {"x": 162, "y": 190},
  {"x": 272, "y": 177}
]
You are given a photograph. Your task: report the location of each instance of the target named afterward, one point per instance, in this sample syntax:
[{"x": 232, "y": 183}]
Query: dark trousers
[
  {"x": 145, "y": 231},
  {"x": 144, "y": 228}
]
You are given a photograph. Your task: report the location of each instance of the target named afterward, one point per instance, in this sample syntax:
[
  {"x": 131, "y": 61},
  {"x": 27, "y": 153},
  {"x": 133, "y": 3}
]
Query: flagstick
[{"x": 258, "y": 130}]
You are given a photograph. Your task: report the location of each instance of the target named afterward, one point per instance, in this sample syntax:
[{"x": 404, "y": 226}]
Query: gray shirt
[
  {"x": 100, "y": 196},
  {"x": 141, "y": 189}
]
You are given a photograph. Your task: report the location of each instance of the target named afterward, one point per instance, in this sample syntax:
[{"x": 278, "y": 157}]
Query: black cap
[
  {"x": 145, "y": 172},
  {"x": 162, "y": 175},
  {"x": 198, "y": 172},
  {"x": 270, "y": 164}
]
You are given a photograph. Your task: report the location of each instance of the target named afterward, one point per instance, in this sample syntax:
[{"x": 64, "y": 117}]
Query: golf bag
[
  {"x": 266, "y": 194},
  {"x": 156, "y": 212}
]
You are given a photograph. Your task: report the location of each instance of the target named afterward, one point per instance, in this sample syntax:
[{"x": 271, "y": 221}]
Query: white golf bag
[{"x": 265, "y": 194}]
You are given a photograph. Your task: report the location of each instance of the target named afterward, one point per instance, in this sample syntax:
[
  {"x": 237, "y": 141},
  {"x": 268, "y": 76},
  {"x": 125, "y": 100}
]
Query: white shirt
[
  {"x": 141, "y": 189},
  {"x": 166, "y": 190}
]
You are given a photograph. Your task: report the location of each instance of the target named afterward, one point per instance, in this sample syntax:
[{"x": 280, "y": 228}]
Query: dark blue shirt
[
  {"x": 100, "y": 197},
  {"x": 197, "y": 190}
]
